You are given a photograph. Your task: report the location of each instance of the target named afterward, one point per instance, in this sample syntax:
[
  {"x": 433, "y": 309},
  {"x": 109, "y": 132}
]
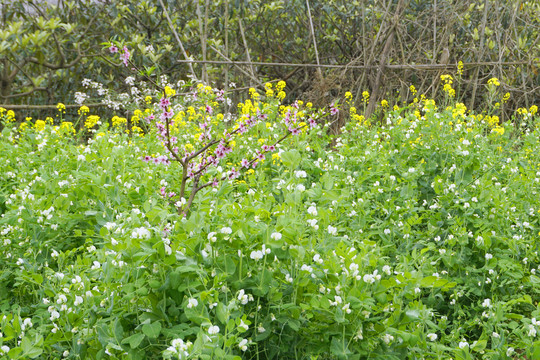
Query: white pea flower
[
  {"x": 432, "y": 336},
  {"x": 243, "y": 344},
  {"x": 226, "y": 230},
  {"x": 313, "y": 223},
  {"x": 192, "y": 303},
  {"x": 212, "y": 236},
  {"x": 332, "y": 230},
  {"x": 256, "y": 255},
  {"x": 243, "y": 325},
  {"x": 276, "y": 236},
  {"x": 212, "y": 330},
  {"x": 387, "y": 338}
]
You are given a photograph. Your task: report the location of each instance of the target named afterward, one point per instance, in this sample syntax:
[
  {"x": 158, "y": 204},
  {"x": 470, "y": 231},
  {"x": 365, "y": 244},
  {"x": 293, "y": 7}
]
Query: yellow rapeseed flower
[
  {"x": 169, "y": 91},
  {"x": 447, "y": 79},
  {"x": 91, "y": 121},
  {"x": 365, "y": 96},
  {"x": 494, "y": 82},
  {"x": 83, "y": 110},
  {"x": 39, "y": 125},
  {"x": 460, "y": 68},
  {"x": 118, "y": 121},
  {"x": 61, "y": 107},
  {"x": 67, "y": 126}
]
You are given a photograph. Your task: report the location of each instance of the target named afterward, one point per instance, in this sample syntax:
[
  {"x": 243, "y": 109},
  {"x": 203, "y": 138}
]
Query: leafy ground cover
[{"x": 413, "y": 238}]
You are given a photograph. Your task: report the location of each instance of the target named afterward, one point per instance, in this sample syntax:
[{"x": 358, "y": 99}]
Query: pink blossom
[
  {"x": 294, "y": 131},
  {"x": 244, "y": 163},
  {"x": 164, "y": 103},
  {"x": 166, "y": 115},
  {"x": 125, "y": 56},
  {"x": 233, "y": 174},
  {"x": 113, "y": 49}
]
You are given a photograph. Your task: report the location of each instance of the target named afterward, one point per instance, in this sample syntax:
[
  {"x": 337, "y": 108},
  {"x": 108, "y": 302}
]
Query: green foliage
[{"x": 414, "y": 238}]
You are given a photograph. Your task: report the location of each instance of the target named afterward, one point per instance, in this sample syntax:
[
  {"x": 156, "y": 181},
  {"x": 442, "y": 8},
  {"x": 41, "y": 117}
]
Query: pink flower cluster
[{"x": 157, "y": 160}]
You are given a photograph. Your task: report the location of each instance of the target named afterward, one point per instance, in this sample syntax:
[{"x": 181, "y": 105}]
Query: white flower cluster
[
  {"x": 243, "y": 297},
  {"x": 259, "y": 254},
  {"x": 141, "y": 233},
  {"x": 180, "y": 348},
  {"x": 371, "y": 278}
]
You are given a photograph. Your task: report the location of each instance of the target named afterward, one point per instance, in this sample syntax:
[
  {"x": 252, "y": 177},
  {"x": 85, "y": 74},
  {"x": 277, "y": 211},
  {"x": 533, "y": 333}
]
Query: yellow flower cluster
[
  {"x": 279, "y": 88},
  {"x": 137, "y": 114},
  {"x": 498, "y": 130},
  {"x": 118, "y": 121},
  {"x": 492, "y": 121},
  {"x": 254, "y": 94},
  {"x": 413, "y": 90},
  {"x": 67, "y": 127},
  {"x": 39, "y": 125},
  {"x": 460, "y": 68},
  {"x": 365, "y": 97},
  {"x": 61, "y": 107},
  {"x": 83, "y": 110},
  {"x": 91, "y": 121},
  {"x": 9, "y": 114},
  {"x": 168, "y": 91},
  {"x": 447, "y": 88},
  {"x": 494, "y": 82},
  {"x": 269, "y": 91},
  {"x": 459, "y": 111}
]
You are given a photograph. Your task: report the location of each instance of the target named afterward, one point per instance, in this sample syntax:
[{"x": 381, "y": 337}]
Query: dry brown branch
[{"x": 171, "y": 26}]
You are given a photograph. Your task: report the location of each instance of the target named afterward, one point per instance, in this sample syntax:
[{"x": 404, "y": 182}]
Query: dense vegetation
[
  {"x": 46, "y": 52},
  {"x": 412, "y": 238},
  {"x": 196, "y": 218}
]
